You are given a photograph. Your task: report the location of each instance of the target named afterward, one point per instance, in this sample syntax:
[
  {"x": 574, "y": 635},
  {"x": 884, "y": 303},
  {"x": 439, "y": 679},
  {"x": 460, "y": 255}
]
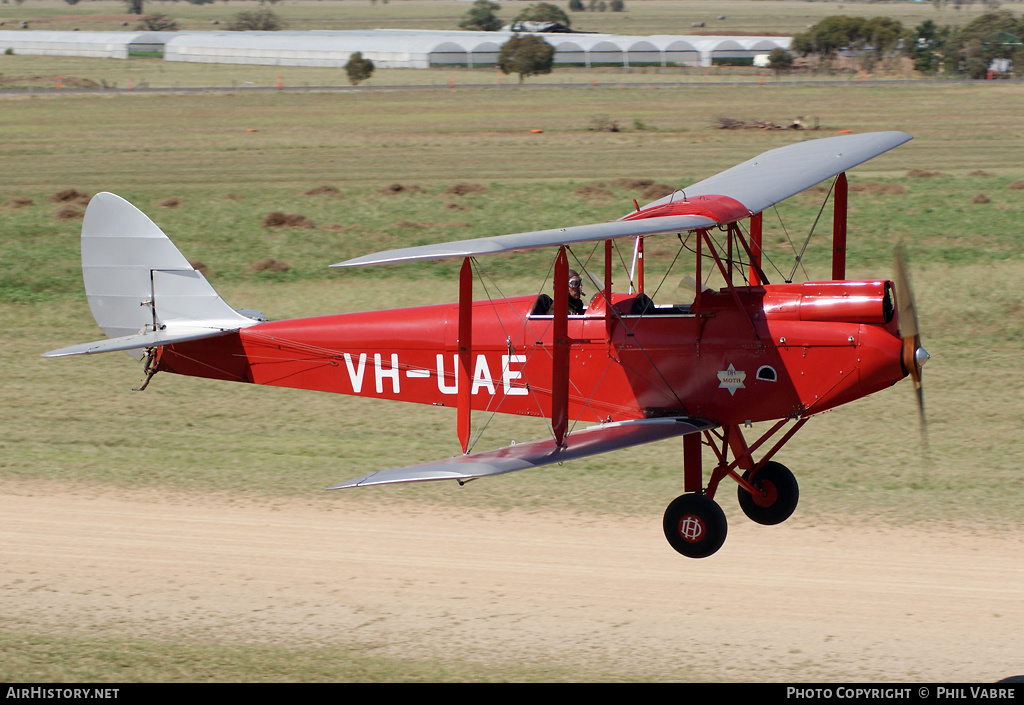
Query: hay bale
[
  {"x": 19, "y": 202},
  {"x": 323, "y": 191},
  {"x": 877, "y": 188},
  {"x": 69, "y": 195},
  {"x": 70, "y": 212},
  {"x": 269, "y": 264},
  {"x": 462, "y": 188},
  {"x": 395, "y": 189},
  {"x": 593, "y": 192},
  {"x": 980, "y": 199},
  {"x": 171, "y": 202},
  {"x": 278, "y": 219},
  {"x": 656, "y": 191},
  {"x": 199, "y": 266},
  {"x": 1017, "y": 185},
  {"x": 410, "y": 225},
  {"x": 633, "y": 184}
]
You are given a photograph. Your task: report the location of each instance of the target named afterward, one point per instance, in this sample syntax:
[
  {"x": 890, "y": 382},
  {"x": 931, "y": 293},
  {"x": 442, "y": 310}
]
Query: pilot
[{"x": 575, "y": 295}]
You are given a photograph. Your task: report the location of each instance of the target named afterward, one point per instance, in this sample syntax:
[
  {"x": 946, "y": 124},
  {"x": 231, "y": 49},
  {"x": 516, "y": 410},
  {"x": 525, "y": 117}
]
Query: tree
[
  {"x": 880, "y": 37},
  {"x": 358, "y": 68},
  {"x": 527, "y": 55},
  {"x": 258, "y": 20},
  {"x": 157, "y": 23},
  {"x": 576, "y": 6},
  {"x": 780, "y": 60},
  {"x": 996, "y": 35},
  {"x": 926, "y": 45},
  {"x": 830, "y": 35},
  {"x": 481, "y": 17},
  {"x": 875, "y": 38},
  {"x": 134, "y": 7},
  {"x": 543, "y": 12}
]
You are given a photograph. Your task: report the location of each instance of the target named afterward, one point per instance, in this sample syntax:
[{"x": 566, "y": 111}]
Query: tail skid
[{"x": 142, "y": 291}]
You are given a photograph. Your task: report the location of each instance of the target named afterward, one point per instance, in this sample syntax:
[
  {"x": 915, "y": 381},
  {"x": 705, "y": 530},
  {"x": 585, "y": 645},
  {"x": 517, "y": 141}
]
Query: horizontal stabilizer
[
  {"x": 589, "y": 441},
  {"x": 141, "y": 341}
]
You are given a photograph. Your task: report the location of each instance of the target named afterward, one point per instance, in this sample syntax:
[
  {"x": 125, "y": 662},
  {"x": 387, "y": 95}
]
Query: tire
[
  {"x": 780, "y": 499},
  {"x": 695, "y": 525}
]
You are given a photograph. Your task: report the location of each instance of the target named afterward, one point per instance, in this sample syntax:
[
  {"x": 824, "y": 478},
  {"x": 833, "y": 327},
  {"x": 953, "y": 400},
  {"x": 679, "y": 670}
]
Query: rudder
[{"x": 141, "y": 289}]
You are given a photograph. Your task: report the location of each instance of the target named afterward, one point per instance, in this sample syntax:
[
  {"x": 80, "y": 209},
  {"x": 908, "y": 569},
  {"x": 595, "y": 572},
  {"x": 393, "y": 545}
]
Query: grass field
[
  {"x": 195, "y": 149},
  {"x": 77, "y": 422}
]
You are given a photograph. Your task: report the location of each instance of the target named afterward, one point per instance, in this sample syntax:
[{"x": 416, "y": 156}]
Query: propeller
[{"x": 914, "y": 356}]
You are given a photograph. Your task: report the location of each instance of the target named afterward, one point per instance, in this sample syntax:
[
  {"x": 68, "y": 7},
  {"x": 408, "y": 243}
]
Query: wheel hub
[
  {"x": 767, "y": 496},
  {"x": 691, "y": 528}
]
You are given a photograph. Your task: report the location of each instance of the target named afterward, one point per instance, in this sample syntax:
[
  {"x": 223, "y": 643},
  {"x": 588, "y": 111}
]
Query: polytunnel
[
  {"x": 387, "y": 48},
  {"x": 99, "y": 45}
]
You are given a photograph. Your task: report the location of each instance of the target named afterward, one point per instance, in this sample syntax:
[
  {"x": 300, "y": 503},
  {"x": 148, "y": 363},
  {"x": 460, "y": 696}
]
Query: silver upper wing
[
  {"x": 757, "y": 184},
  {"x": 532, "y": 240},
  {"x": 777, "y": 174}
]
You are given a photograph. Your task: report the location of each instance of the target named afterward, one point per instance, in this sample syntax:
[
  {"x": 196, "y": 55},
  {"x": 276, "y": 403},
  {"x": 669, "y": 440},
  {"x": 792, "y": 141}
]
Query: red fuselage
[{"x": 751, "y": 354}]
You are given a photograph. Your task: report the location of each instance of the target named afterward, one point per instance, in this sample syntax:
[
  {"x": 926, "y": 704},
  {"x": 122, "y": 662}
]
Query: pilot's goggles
[{"x": 575, "y": 283}]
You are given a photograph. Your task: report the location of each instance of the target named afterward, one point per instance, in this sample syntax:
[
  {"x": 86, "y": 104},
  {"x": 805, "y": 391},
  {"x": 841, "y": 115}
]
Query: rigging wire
[{"x": 800, "y": 256}]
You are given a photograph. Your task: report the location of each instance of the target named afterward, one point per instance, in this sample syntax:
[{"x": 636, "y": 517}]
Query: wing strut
[
  {"x": 839, "y": 228},
  {"x": 608, "y": 292},
  {"x": 755, "y": 246},
  {"x": 465, "y": 380},
  {"x": 560, "y": 355}
]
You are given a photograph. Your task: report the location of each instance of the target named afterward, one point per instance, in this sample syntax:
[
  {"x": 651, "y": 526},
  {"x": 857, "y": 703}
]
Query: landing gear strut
[{"x": 695, "y": 524}]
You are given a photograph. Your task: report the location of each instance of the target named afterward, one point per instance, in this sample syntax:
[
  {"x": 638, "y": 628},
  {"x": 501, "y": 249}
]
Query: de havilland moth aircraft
[{"x": 627, "y": 370}]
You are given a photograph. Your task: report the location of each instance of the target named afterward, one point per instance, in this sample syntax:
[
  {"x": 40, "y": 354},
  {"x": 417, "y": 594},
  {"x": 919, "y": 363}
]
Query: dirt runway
[{"x": 789, "y": 603}]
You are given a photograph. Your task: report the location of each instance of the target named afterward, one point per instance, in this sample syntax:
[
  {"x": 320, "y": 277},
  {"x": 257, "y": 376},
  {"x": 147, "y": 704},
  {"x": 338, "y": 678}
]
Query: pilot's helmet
[{"x": 575, "y": 282}]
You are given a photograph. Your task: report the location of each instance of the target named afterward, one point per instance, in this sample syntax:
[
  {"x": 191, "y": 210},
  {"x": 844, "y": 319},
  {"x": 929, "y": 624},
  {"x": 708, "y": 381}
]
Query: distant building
[{"x": 389, "y": 48}]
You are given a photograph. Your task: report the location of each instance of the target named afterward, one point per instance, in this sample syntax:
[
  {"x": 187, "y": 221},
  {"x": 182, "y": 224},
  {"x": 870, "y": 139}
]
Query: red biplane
[{"x": 637, "y": 369}]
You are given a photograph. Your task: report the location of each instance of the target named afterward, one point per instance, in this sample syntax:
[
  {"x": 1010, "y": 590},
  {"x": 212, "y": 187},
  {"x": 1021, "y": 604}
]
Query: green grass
[
  {"x": 196, "y": 149},
  {"x": 76, "y": 420},
  {"x": 75, "y": 658},
  {"x": 213, "y": 143}
]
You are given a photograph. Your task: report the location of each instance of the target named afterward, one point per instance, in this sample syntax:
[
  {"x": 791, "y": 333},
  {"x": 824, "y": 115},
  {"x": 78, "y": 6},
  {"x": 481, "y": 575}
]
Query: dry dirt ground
[{"x": 796, "y": 602}]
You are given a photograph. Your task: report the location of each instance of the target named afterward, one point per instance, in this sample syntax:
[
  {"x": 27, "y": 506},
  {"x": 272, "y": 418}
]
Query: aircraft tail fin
[{"x": 141, "y": 289}]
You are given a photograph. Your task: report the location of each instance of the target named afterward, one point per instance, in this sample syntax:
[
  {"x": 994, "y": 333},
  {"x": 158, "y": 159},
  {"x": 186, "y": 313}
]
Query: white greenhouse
[
  {"x": 99, "y": 45},
  {"x": 387, "y": 48},
  {"x": 393, "y": 48}
]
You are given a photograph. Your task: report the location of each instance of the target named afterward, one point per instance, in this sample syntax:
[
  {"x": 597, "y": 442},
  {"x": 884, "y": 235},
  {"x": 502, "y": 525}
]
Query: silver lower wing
[{"x": 522, "y": 456}]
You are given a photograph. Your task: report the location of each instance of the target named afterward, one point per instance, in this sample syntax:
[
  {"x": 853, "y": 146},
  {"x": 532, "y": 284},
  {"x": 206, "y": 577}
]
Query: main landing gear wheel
[
  {"x": 779, "y": 494},
  {"x": 695, "y": 525}
]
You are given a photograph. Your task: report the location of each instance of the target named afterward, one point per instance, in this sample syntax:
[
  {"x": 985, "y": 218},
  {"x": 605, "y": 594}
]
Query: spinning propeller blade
[{"x": 914, "y": 356}]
